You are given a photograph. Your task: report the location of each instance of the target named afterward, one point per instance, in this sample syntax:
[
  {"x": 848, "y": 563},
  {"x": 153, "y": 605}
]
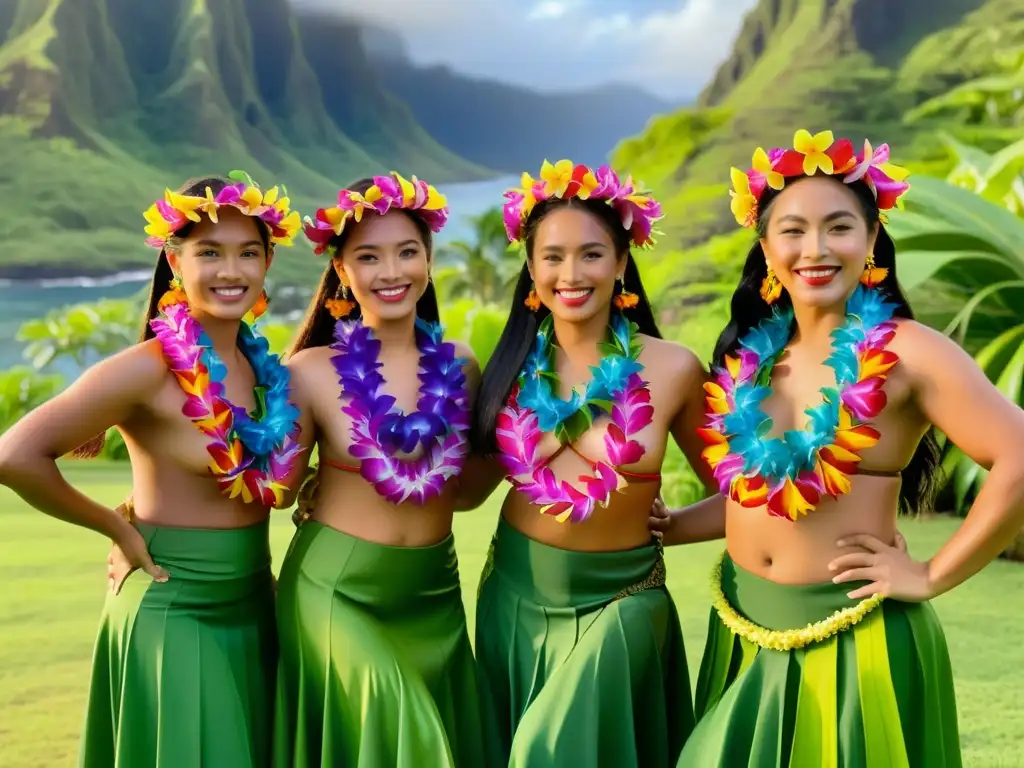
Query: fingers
[
  {"x": 857, "y": 574},
  {"x": 901, "y": 543},
  {"x": 864, "y": 540},
  {"x": 875, "y": 588},
  {"x": 853, "y": 560},
  {"x": 158, "y": 573}
]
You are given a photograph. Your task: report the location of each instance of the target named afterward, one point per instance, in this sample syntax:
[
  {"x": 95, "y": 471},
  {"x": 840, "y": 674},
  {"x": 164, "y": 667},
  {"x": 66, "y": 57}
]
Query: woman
[
  {"x": 578, "y": 641},
  {"x": 184, "y": 665},
  {"x": 376, "y": 664},
  {"x": 807, "y": 662}
]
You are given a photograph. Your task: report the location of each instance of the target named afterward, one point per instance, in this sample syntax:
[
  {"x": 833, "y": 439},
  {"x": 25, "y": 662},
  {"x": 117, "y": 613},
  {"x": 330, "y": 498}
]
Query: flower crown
[
  {"x": 811, "y": 154},
  {"x": 386, "y": 193},
  {"x": 637, "y": 210},
  {"x": 167, "y": 216}
]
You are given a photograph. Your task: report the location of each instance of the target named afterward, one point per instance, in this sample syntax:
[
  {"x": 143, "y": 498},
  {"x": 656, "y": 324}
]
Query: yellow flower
[
  {"x": 556, "y": 177},
  {"x": 252, "y": 199},
  {"x": 813, "y": 149},
  {"x": 187, "y": 204},
  {"x": 743, "y": 204},
  {"x": 763, "y": 166},
  {"x": 209, "y": 205}
]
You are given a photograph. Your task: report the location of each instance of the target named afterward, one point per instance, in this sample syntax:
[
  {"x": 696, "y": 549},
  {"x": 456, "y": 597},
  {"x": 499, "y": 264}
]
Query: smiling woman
[{"x": 205, "y": 414}]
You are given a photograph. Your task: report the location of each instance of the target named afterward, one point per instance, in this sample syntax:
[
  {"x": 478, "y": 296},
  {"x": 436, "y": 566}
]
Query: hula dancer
[
  {"x": 823, "y": 648},
  {"x": 376, "y": 663},
  {"x": 185, "y": 661},
  {"x": 578, "y": 641}
]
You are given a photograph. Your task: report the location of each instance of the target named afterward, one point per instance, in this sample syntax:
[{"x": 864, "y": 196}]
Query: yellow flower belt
[{"x": 785, "y": 639}]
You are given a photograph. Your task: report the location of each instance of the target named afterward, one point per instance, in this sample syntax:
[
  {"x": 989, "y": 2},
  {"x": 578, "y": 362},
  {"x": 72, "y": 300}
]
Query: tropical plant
[
  {"x": 21, "y": 390},
  {"x": 484, "y": 268},
  {"x": 968, "y": 253},
  {"x": 83, "y": 332},
  {"x": 477, "y": 325}
]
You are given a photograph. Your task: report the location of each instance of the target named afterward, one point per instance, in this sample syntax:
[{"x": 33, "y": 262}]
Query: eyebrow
[
  {"x": 377, "y": 246},
  {"x": 830, "y": 217},
  {"x": 218, "y": 243},
  {"x": 584, "y": 247}
]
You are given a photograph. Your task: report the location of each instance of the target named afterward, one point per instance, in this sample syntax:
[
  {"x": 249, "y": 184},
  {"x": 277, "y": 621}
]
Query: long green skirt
[
  {"x": 376, "y": 665},
  {"x": 581, "y": 656},
  {"x": 879, "y": 693},
  {"x": 183, "y": 671}
]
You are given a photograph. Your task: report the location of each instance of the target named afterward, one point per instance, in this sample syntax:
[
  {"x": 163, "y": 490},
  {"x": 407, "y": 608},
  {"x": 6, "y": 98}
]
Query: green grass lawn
[{"x": 53, "y": 579}]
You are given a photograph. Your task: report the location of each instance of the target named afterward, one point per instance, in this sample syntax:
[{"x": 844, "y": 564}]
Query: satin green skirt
[
  {"x": 376, "y": 667},
  {"x": 879, "y": 693},
  {"x": 183, "y": 671},
  {"x": 581, "y": 656}
]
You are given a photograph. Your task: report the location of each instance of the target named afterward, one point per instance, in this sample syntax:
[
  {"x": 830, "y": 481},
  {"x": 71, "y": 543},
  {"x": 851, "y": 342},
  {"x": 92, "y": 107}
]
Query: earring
[
  {"x": 625, "y": 299},
  {"x": 532, "y": 301},
  {"x": 340, "y": 306},
  {"x": 872, "y": 275},
  {"x": 771, "y": 288},
  {"x": 259, "y": 309},
  {"x": 175, "y": 294}
]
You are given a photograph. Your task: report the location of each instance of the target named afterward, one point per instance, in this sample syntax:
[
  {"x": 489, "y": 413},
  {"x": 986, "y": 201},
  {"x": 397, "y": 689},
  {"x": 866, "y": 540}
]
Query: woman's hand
[
  {"x": 889, "y": 570},
  {"x": 128, "y": 554},
  {"x": 660, "y": 519}
]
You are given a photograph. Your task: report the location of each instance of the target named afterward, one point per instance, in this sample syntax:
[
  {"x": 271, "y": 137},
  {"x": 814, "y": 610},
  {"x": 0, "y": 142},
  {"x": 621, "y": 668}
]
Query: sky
[{"x": 669, "y": 47}]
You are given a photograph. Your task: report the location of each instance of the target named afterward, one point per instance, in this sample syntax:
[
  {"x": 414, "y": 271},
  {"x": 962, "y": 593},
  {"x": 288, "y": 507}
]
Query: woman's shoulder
[{"x": 671, "y": 357}]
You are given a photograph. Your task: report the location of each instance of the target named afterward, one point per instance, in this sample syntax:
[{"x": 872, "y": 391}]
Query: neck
[
  {"x": 579, "y": 341},
  {"x": 814, "y": 325},
  {"x": 222, "y": 333},
  {"x": 397, "y": 334}
]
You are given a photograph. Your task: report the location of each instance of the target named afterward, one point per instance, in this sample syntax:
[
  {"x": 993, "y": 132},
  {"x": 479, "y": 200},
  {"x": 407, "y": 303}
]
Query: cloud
[
  {"x": 671, "y": 47},
  {"x": 550, "y": 9}
]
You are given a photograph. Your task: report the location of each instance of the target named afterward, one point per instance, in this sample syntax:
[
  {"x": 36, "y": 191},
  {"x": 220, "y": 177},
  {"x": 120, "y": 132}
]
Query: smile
[
  {"x": 392, "y": 294},
  {"x": 234, "y": 292},
  {"x": 817, "y": 275},
  {"x": 574, "y": 297}
]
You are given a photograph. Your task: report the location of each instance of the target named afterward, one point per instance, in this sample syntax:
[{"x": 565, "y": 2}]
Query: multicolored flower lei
[
  {"x": 637, "y": 210},
  {"x": 250, "y": 458},
  {"x": 167, "y": 216},
  {"x": 533, "y": 409},
  {"x": 820, "y": 153},
  {"x": 790, "y": 474},
  {"x": 386, "y": 193},
  {"x": 380, "y": 430}
]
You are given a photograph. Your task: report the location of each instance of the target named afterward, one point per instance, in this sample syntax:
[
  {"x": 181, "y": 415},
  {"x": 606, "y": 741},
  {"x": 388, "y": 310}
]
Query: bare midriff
[
  {"x": 348, "y": 503},
  {"x": 799, "y": 552}
]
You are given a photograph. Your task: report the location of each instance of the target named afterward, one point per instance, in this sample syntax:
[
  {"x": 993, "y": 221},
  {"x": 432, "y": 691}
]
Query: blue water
[{"x": 22, "y": 300}]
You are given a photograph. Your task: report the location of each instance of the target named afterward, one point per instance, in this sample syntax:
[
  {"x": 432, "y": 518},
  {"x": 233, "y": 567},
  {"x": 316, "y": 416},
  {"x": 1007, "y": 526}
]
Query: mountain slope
[
  {"x": 103, "y": 102},
  {"x": 853, "y": 66}
]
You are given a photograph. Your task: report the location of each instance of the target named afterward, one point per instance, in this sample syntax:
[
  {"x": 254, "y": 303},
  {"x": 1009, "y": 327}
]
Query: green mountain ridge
[
  {"x": 852, "y": 66},
  {"x": 103, "y": 102}
]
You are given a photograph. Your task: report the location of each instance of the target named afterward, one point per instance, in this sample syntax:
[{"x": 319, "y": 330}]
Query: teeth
[
  {"x": 575, "y": 294},
  {"x": 229, "y": 291},
  {"x": 391, "y": 291},
  {"x": 819, "y": 272}
]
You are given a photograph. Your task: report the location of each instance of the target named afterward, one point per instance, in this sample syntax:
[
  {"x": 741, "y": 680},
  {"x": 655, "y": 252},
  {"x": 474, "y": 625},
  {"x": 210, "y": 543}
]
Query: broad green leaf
[
  {"x": 915, "y": 267},
  {"x": 963, "y": 318}
]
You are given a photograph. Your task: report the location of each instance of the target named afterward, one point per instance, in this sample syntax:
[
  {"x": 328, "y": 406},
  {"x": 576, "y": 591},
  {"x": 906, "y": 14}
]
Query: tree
[
  {"x": 484, "y": 269},
  {"x": 84, "y": 332},
  {"x": 21, "y": 390}
]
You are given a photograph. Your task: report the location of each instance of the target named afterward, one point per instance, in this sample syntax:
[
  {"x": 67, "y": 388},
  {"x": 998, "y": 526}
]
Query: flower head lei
[
  {"x": 810, "y": 155},
  {"x": 387, "y": 193},
  {"x": 169, "y": 215},
  {"x": 637, "y": 209}
]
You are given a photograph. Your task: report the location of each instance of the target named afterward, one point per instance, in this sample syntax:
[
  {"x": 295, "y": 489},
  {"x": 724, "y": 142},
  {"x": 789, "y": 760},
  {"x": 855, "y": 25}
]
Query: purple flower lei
[{"x": 380, "y": 430}]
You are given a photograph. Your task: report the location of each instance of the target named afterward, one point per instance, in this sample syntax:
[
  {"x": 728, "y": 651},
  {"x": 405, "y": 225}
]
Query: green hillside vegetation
[
  {"x": 857, "y": 67},
  {"x": 104, "y": 102}
]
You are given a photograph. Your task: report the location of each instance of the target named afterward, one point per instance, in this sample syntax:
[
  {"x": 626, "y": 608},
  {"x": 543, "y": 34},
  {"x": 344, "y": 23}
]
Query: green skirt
[
  {"x": 581, "y": 657},
  {"x": 183, "y": 671},
  {"x": 879, "y": 693},
  {"x": 376, "y": 665}
]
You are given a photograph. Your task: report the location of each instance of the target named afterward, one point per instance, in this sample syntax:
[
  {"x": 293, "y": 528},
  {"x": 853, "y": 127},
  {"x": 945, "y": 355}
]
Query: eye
[
  {"x": 409, "y": 253},
  {"x": 366, "y": 257},
  {"x": 250, "y": 254},
  {"x": 841, "y": 228},
  {"x": 592, "y": 255},
  {"x": 208, "y": 253},
  {"x": 552, "y": 257},
  {"x": 792, "y": 231}
]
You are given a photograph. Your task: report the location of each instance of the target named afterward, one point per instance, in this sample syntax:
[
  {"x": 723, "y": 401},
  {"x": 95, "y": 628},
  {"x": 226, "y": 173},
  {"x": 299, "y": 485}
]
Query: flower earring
[
  {"x": 532, "y": 301},
  {"x": 175, "y": 294},
  {"x": 340, "y": 306},
  {"x": 872, "y": 275},
  {"x": 625, "y": 299},
  {"x": 771, "y": 288},
  {"x": 259, "y": 308}
]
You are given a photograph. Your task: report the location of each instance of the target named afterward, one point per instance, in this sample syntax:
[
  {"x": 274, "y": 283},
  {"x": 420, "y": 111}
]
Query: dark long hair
[
  {"x": 317, "y": 328},
  {"x": 520, "y": 331},
  {"x": 162, "y": 275},
  {"x": 920, "y": 476}
]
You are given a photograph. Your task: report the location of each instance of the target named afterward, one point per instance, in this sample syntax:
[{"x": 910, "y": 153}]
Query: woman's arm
[
  {"x": 705, "y": 520},
  {"x": 106, "y": 395},
  {"x": 480, "y": 477},
  {"x": 954, "y": 395},
  {"x": 301, "y": 367}
]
